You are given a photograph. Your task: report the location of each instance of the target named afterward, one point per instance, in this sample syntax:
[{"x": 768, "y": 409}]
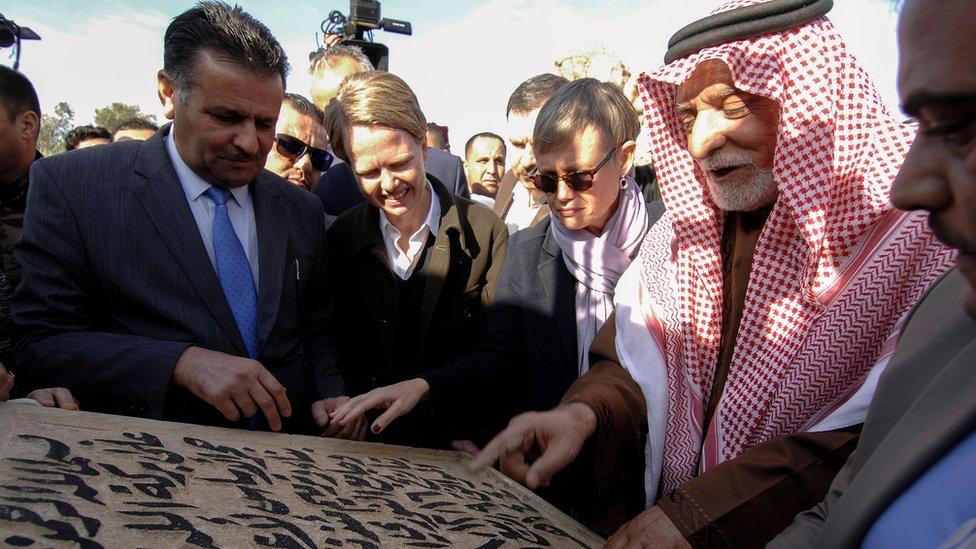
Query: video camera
[
  {"x": 11, "y": 34},
  {"x": 364, "y": 17}
]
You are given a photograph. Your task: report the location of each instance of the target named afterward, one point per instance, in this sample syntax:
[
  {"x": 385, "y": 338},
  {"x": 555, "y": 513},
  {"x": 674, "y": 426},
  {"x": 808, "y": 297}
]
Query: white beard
[
  {"x": 755, "y": 191},
  {"x": 751, "y": 189}
]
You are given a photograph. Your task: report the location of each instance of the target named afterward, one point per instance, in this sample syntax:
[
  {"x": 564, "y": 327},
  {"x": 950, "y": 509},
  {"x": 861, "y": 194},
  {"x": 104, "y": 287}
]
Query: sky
[{"x": 463, "y": 61}]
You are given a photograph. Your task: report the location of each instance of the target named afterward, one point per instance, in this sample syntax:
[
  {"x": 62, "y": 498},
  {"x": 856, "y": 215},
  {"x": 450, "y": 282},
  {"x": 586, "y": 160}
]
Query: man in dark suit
[
  {"x": 339, "y": 192},
  {"x": 174, "y": 278},
  {"x": 910, "y": 482},
  {"x": 518, "y": 202}
]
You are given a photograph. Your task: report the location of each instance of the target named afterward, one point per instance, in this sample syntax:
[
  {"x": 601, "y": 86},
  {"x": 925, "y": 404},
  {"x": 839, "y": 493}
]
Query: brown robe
[{"x": 743, "y": 502}]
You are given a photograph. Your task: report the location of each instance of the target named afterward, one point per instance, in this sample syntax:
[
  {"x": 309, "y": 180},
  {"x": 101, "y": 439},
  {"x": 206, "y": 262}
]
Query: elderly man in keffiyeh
[{"x": 764, "y": 305}]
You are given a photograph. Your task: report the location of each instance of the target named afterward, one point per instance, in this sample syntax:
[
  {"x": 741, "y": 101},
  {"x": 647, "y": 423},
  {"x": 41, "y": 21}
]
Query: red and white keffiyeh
[{"x": 835, "y": 267}]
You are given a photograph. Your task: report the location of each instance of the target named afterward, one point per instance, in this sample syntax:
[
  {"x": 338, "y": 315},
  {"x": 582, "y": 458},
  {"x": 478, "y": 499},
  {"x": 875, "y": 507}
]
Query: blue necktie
[{"x": 234, "y": 272}]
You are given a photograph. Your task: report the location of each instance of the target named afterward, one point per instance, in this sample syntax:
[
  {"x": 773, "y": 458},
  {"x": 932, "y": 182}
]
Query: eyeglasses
[
  {"x": 579, "y": 181},
  {"x": 294, "y": 148}
]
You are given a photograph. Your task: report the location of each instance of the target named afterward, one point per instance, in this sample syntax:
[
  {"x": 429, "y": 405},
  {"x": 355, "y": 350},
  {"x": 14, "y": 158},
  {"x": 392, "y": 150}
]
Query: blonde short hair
[
  {"x": 328, "y": 59},
  {"x": 582, "y": 103},
  {"x": 374, "y": 98}
]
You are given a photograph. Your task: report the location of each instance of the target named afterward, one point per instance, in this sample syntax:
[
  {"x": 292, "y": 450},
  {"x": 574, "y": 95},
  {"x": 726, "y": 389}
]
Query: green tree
[
  {"x": 54, "y": 127},
  {"x": 111, "y": 116}
]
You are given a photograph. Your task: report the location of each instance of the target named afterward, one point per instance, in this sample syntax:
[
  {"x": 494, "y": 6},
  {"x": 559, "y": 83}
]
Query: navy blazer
[
  {"x": 117, "y": 284},
  {"x": 526, "y": 359},
  {"x": 339, "y": 191}
]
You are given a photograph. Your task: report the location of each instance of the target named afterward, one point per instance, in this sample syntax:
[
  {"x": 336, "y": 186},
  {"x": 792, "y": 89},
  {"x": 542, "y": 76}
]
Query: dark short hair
[
  {"x": 229, "y": 33},
  {"x": 83, "y": 133},
  {"x": 135, "y": 124},
  {"x": 441, "y": 131},
  {"x": 533, "y": 93},
  {"x": 301, "y": 104},
  {"x": 482, "y": 135},
  {"x": 17, "y": 94}
]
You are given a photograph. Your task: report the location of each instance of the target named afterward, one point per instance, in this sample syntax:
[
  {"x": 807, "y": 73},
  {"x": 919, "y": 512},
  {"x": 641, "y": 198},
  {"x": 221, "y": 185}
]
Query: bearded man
[{"x": 764, "y": 305}]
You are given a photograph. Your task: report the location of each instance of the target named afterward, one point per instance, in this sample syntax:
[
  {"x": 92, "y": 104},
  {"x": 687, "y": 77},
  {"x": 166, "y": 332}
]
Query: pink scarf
[
  {"x": 835, "y": 267},
  {"x": 597, "y": 262}
]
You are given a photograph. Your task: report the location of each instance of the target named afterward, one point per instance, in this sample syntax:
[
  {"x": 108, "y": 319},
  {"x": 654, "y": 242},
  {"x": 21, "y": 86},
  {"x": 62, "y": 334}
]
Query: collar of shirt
[
  {"x": 524, "y": 208},
  {"x": 402, "y": 262},
  {"x": 194, "y": 185}
]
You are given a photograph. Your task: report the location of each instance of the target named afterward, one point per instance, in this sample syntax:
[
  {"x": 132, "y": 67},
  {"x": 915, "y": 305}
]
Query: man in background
[
  {"x": 518, "y": 203},
  {"x": 484, "y": 166},
  {"x": 81, "y": 137},
  {"x": 299, "y": 154},
  {"x": 436, "y": 137},
  {"x": 136, "y": 129},
  {"x": 330, "y": 66}
]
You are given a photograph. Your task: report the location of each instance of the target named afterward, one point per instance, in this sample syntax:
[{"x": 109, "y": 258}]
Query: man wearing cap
[{"x": 762, "y": 308}]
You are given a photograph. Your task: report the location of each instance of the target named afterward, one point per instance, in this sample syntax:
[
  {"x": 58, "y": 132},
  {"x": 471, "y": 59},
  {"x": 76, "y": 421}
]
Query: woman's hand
[
  {"x": 398, "y": 399},
  {"x": 55, "y": 397}
]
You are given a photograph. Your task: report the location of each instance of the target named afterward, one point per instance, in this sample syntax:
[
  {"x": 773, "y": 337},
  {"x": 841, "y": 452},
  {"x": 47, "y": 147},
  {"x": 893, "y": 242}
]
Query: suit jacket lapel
[
  {"x": 923, "y": 406},
  {"x": 271, "y": 217},
  {"x": 439, "y": 261},
  {"x": 162, "y": 197},
  {"x": 940, "y": 416},
  {"x": 505, "y": 194},
  {"x": 560, "y": 294}
]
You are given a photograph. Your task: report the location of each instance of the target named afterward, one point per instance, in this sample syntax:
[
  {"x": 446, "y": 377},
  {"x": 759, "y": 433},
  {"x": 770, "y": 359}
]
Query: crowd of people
[{"x": 767, "y": 337}]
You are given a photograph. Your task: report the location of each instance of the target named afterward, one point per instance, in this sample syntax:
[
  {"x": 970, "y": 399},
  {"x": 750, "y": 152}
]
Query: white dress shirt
[
  {"x": 487, "y": 201},
  {"x": 404, "y": 262},
  {"x": 240, "y": 209},
  {"x": 523, "y": 209}
]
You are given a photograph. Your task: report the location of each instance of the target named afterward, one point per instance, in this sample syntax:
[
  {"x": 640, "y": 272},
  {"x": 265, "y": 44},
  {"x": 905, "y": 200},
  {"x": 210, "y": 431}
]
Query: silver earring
[{"x": 623, "y": 182}]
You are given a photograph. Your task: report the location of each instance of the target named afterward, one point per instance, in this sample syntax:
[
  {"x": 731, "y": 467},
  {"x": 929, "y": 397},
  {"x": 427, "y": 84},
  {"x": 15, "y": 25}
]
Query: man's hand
[
  {"x": 6, "y": 383},
  {"x": 466, "y": 446},
  {"x": 537, "y": 445},
  {"x": 332, "y": 40},
  {"x": 652, "y": 528},
  {"x": 55, "y": 397},
  {"x": 236, "y": 386},
  {"x": 324, "y": 413},
  {"x": 398, "y": 399}
]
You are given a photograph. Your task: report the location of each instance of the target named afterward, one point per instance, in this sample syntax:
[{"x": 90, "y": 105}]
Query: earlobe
[
  {"x": 29, "y": 124},
  {"x": 627, "y": 156},
  {"x": 167, "y": 94}
]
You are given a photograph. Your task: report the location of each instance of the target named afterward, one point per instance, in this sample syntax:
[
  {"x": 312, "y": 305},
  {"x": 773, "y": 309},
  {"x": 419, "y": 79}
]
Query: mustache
[
  {"x": 238, "y": 156},
  {"x": 725, "y": 159},
  {"x": 949, "y": 236}
]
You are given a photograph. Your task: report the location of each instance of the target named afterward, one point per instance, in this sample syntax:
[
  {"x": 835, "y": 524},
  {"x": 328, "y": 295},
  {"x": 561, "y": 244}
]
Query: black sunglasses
[
  {"x": 294, "y": 148},
  {"x": 579, "y": 181}
]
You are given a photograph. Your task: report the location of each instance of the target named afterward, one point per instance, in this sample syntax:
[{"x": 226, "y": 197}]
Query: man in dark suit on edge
[
  {"x": 910, "y": 481},
  {"x": 174, "y": 278}
]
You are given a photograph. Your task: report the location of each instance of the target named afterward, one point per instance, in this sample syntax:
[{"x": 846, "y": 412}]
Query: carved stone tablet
[{"x": 94, "y": 480}]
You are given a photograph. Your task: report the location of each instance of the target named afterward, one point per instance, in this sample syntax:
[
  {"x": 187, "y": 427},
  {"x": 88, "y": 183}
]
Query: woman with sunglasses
[{"x": 556, "y": 287}]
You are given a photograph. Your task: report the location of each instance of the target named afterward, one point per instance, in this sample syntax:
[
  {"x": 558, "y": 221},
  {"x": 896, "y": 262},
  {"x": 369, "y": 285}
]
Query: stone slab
[{"x": 93, "y": 480}]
